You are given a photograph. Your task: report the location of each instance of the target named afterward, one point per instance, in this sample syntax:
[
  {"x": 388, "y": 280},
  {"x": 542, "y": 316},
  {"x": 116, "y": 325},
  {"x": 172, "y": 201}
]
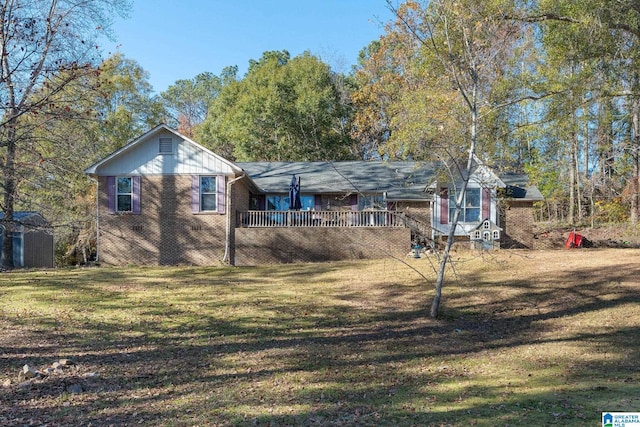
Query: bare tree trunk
[
  {"x": 635, "y": 146},
  {"x": 577, "y": 175},
  {"x": 585, "y": 151},
  {"x": 435, "y": 304},
  {"x": 571, "y": 209},
  {"x": 9, "y": 171}
]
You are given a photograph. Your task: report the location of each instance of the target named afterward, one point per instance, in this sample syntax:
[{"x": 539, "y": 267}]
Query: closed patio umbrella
[{"x": 294, "y": 194}]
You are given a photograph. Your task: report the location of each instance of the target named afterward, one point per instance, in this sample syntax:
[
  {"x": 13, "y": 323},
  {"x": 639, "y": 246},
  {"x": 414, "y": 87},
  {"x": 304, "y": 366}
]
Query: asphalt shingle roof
[
  {"x": 520, "y": 188},
  {"x": 401, "y": 180}
]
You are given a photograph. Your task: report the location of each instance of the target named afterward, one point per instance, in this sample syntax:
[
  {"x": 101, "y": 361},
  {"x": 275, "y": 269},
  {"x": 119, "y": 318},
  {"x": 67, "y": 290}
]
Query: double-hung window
[
  {"x": 470, "y": 209},
  {"x": 124, "y": 194},
  {"x": 208, "y": 194}
]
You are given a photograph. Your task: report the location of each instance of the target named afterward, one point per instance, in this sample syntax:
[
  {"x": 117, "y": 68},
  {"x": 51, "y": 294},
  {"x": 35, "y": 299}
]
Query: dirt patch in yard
[{"x": 609, "y": 236}]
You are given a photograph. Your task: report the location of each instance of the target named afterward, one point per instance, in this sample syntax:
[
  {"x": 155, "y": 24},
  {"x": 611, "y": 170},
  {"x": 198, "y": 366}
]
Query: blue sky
[{"x": 178, "y": 39}]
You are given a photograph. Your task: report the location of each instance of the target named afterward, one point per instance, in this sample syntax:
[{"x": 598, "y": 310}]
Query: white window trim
[
  {"x": 214, "y": 193},
  {"x": 118, "y": 194},
  {"x": 464, "y": 208}
]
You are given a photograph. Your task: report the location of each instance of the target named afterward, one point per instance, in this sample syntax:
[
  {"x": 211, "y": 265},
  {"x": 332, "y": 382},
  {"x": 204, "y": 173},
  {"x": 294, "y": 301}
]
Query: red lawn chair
[{"x": 573, "y": 241}]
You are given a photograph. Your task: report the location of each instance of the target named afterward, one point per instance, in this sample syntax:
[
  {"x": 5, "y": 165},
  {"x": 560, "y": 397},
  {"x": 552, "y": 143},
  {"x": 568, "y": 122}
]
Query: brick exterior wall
[
  {"x": 256, "y": 246},
  {"x": 165, "y": 232},
  {"x": 516, "y": 220}
]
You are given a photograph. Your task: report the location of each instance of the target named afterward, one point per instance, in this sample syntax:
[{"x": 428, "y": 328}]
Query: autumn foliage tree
[
  {"x": 590, "y": 50},
  {"x": 46, "y": 46},
  {"x": 110, "y": 107},
  {"x": 428, "y": 89}
]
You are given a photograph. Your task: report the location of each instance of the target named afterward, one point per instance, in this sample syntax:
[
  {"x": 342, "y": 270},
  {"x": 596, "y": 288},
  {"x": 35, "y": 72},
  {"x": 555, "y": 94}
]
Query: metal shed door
[{"x": 18, "y": 249}]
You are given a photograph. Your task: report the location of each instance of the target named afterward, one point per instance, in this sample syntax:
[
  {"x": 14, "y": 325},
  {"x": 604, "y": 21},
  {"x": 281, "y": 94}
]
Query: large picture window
[
  {"x": 124, "y": 194},
  {"x": 471, "y": 206},
  {"x": 208, "y": 193},
  {"x": 371, "y": 201},
  {"x": 282, "y": 203}
]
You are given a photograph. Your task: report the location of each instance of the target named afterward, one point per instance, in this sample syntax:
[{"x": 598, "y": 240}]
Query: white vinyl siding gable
[
  {"x": 144, "y": 158},
  {"x": 479, "y": 204}
]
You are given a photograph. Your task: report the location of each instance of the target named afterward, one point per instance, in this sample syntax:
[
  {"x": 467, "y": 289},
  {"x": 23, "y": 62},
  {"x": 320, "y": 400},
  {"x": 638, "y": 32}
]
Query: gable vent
[{"x": 165, "y": 146}]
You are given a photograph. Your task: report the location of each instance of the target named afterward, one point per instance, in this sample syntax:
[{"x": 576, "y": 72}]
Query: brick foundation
[{"x": 256, "y": 246}]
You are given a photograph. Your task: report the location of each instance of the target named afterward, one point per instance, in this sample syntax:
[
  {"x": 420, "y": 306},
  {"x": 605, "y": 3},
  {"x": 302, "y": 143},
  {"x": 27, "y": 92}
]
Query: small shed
[
  {"x": 32, "y": 240},
  {"x": 485, "y": 236}
]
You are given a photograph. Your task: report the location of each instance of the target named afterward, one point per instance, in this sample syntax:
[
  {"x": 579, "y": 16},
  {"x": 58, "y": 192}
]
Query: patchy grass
[{"x": 525, "y": 338}]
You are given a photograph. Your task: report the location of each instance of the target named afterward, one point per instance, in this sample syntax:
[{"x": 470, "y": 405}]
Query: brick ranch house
[{"x": 164, "y": 199}]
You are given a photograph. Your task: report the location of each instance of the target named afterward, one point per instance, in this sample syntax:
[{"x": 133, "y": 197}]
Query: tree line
[{"x": 550, "y": 88}]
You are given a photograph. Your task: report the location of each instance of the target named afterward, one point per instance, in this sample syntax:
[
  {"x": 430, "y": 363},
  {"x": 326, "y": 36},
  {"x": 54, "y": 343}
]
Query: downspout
[
  {"x": 97, "y": 218},
  {"x": 227, "y": 246},
  {"x": 433, "y": 219}
]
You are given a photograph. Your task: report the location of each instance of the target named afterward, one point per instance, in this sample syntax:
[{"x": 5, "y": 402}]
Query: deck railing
[{"x": 369, "y": 218}]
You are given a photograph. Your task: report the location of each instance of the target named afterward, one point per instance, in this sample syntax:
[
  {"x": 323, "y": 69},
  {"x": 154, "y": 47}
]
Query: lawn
[{"x": 524, "y": 339}]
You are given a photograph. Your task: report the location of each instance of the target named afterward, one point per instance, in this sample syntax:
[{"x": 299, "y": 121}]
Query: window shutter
[
  {"x": 353, "y": 199},
  {"x": 136, "y": 195},
  {"x": 221, "y": 202},
  {"x": 444, "y": 205},
  {"x": 111, "y": 194},
  {"x": 317, "y": 202},
  {"x": 486, "y": 203},
  {"x": 195, "y": 194}
]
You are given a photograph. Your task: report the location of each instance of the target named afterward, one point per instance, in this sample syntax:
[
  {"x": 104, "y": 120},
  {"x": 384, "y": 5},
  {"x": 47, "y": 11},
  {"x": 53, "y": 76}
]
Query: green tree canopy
[
  {"x": 188, "y": 100},
  {"x": 283, "y": 109}
]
